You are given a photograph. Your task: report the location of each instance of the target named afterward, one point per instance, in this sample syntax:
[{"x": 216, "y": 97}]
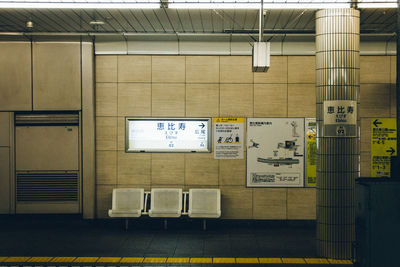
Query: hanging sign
[
  {"x": 228, "y": 138},
  {"x": 340, "y": 118},
  {"x": 383, "y": 145},
  {"x": 311, "y": 152}
]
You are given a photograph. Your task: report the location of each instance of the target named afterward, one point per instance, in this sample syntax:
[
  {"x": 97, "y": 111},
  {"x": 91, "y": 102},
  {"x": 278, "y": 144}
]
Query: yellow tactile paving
[
  {"x": 3, "y": 259},
  {"x": 223, "y": 260},
  {"x": 332, "y": 261},
  {"x": 294, "y": 260},
  {"x": 63, "y": 259},
  {"x": 109, "y": 259},
  {"x": 40, "y": 259},
  {"x": 270, "y": 260},
  {"x": 200, "y": 260},
  {"x": 178, "y": 260},
  {"x": 155, "y": 260},
  {"x": 247, "y": 260},
  {"x": 316, "y": 261},
  {"x": 17, "y": 259},
  {"x": 86, "y": 259},
  {"x": 132, "y": 260}
]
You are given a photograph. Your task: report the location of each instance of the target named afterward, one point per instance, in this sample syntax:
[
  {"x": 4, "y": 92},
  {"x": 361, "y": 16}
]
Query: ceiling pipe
[
  {"x": 261, "y": 23},
  {"x": 239, "y": 34}
]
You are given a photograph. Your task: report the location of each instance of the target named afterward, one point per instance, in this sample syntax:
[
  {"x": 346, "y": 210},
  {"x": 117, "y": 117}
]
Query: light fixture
[
  {"x": 90, "y": 4},
  {"x": 96, "y": 22},
  {"x": 29, "y": 24}
]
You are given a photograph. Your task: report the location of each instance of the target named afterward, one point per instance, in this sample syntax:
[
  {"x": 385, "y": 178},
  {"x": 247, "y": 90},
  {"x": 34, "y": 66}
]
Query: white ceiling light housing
[{"x": 80, "y": 4}]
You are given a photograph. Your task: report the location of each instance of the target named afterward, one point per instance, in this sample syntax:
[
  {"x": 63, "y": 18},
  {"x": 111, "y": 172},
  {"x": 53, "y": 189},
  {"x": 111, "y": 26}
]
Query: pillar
[{"x": 337, "y": 92}]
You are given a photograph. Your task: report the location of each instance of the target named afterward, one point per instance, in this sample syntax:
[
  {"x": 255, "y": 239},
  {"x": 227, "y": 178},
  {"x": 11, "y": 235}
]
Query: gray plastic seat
[
  {"x": 127, "y": 202},
  {"x": 204, "y": 203},
  {"x": 166, "y": 203}
]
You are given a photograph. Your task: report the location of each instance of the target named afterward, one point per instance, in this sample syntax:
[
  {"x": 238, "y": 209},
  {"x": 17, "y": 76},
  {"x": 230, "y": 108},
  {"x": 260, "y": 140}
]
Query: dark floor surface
[{"x": 72, "y": 236}]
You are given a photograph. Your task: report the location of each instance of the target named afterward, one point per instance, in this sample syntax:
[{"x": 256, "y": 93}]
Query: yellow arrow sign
[{"x": 383, "y": 145}]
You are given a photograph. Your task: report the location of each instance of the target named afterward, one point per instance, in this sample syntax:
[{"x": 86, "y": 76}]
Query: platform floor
[{"x": 182, "y": 244}]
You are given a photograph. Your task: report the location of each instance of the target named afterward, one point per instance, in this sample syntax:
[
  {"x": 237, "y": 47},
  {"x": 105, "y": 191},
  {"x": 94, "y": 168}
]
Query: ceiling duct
[{"x": 261, "y": 50}]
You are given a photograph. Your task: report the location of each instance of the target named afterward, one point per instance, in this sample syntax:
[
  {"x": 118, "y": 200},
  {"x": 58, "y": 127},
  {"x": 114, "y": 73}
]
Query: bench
[{"x": 166, "y": 203}]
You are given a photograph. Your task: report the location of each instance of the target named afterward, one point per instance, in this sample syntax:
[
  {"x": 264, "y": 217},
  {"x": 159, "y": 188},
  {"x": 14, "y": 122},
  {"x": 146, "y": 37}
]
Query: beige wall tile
[
  {"x": 270, "y": 100},
  {"x": 236, "y": 202},
  {"x": 301, "y": 69},
  {"x": 134, "y": 68},
  {"x": 277, "y": 72},
  {"x": 134, "y": 99},
  {"x": 106, "y": 69},
  {"x": 4, "y": 129},
  {"x": 106, "y": 133},
  {"x": 393, "y": 108},
  {"x": 301, "y": 100},
  {"x": 393, "y": 70},
  {"x": 121, "y": 133},
  {"x": 236, "y": 69},
  {"x": 201, "y": 169},
  {"x": 374, "y": 100},
  {"x": 269, "y": 203},
  {"x": 106, "y": 167},
  {"x": 202, "y": 69},
  {"x": 374, "y": 69},
  {"x": 236, "y": 100},
  {"x": 168, "y": 69},
  {"x": 168, "y": 99},
  {"x": 232, "y": 171},
  {"x": 104, "y": 200},
  {"x": 365, "y": 164},
  {"x": 202, "y": 100},
  {"x": 365, "y": 134},
  {"x": 134, "y": 168},
  {"x": 167, "y": 169},
  {"x": 146, "y": 187},
  {"x": 301, "y": 204},
  {"x": 106, "y": 99}
]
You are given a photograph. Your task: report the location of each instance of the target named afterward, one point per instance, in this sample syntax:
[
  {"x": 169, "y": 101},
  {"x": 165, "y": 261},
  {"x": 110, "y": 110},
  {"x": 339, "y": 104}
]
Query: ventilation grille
[
  {"x": 23, "y": 119},
  {"x": 47, "y": 186}
]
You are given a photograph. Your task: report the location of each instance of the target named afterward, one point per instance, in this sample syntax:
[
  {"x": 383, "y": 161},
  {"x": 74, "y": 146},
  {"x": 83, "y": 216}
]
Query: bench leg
[
  {"x": 165, "y": 224},
  {"x": 126, "y": 224},
  {"x": 204, "y": 225}
]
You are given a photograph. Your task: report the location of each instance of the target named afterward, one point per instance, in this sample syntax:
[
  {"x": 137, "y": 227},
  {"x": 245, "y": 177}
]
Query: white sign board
[
  {"x": 167, "y": 135},
  {"x": 228, "y": 138},
  {"x": 340, "y": 118},
  {"x": 275, "y": 152}
]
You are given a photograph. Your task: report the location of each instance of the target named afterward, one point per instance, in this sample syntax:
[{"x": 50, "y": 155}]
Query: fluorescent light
[
  {"x": 377, "y": 4},
  {"x": 254, "y": 6},
  {"x": 80, "y": 5}
]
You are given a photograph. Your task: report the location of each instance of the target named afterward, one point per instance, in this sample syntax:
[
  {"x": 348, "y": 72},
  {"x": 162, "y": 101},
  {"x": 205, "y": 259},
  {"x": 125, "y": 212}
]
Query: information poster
[
  {"x": 228, "y": 138},
  {"x": 167, "y": 135},
  {"x": 275, "y": 152},
  {"x": 311, "y": 152},
  {"x": 383, "y": 145}
]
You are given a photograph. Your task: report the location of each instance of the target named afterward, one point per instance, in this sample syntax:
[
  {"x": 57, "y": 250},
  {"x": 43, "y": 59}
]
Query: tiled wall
[{"x": 216, "y": 86}]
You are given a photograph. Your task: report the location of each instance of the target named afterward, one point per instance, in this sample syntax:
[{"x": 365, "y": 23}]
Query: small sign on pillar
[{"x": 340, "y": 118}]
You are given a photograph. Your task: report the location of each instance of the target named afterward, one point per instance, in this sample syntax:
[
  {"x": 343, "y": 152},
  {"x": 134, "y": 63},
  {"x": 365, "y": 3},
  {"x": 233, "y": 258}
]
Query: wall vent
[
  {"x": 47, "y": 186},
  {"x": 32, "y": 119}
]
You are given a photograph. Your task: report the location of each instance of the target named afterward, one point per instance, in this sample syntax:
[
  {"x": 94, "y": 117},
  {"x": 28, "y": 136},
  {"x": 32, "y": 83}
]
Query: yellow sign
[
  {"x": 383, "y": 145},
  {"x": 311, "y": 149},
  {"x": 229, "y": 120}
]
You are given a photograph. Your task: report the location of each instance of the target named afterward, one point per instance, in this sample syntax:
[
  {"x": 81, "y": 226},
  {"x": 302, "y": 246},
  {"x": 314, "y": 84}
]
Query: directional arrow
[
  {"x": 391, "y": 151},
  {"x": 202, "y": 125},
  {"x": 376, "y": 123}
]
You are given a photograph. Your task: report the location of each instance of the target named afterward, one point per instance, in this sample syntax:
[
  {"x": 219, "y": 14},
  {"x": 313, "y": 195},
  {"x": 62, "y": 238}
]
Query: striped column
[{"x": 337, "y": 90}]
